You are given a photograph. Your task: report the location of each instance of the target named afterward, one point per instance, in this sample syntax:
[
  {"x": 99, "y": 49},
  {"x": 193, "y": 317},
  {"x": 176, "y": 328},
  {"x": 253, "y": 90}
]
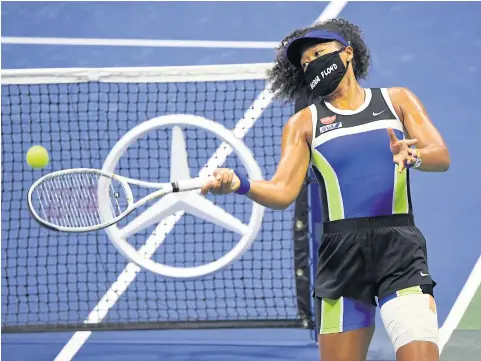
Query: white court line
[
  {"x": 141, "y": 42},
  {"x": 460, "y": 305},
  {"x": 68, "y": 352}
]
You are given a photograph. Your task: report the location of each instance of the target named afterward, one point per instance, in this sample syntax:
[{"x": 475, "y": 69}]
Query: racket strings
[
  {"x": 83, "y": 194},
  {"x": 92, "y": 213},
  {"x": 71, "y": 200},
  {"x": 65, "y": 219}
]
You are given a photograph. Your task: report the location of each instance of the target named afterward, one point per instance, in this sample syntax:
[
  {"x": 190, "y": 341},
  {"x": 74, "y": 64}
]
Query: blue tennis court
[{"x": 431, "y": 48}]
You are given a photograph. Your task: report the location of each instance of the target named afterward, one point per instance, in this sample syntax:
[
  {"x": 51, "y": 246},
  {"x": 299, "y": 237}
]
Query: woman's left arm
[{"x": 432, "y": 149}]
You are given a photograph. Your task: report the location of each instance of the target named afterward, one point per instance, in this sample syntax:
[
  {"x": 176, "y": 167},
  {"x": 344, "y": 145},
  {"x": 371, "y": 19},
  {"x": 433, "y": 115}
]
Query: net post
[
  {"x": 315, "y": 232},
  {"x": 302, "y": 256},
  {"x": 306, "y": 237}
]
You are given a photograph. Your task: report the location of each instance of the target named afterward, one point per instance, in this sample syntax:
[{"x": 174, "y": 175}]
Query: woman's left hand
[{"x": 402, "y": 152}]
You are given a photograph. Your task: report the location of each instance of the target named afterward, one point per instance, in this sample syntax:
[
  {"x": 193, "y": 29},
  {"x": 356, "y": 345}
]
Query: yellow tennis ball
[{"x": 37, "y": 157}]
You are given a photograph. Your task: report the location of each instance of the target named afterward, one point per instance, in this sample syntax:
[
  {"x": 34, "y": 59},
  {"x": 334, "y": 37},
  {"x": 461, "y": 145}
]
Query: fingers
[
  {"x": 230, "y": 180},
  {"x": 222, "y": 183},
  {"x": 411, "y": 142},
  {"x": 206, "y": 188},
  {"x": 405, "y": 159},
  {"x": 401, "y": 166},
  {"x": 412, "y": 156},
  {"x": 225, "y": 179},
  {"x": 392, "y": 135}
]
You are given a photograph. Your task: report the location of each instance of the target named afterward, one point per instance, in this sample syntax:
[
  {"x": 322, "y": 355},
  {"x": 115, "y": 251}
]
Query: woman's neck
[{"x": 349, "y": 95}]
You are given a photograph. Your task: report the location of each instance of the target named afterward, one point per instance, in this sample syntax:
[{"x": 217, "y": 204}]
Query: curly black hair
[{"x": 288, "y": 81}]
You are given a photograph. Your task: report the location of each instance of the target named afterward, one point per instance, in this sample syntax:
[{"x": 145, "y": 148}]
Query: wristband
[{"x": 245, "y": 185}]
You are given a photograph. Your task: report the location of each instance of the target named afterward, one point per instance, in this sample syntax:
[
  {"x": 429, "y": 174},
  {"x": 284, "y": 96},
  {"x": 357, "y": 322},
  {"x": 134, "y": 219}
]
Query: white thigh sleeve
[{"x": 410, "y": 318}]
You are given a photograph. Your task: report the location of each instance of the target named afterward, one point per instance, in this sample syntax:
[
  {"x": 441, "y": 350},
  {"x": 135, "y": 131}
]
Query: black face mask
[{"x": 324, "y": 74}]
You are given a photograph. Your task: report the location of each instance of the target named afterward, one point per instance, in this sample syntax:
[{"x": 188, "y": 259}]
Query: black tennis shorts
[{"x": 364, "y": 258}]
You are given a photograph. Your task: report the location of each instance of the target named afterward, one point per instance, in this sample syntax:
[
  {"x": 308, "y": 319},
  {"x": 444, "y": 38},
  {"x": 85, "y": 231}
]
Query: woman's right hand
[{"x": 226, "y": 181}]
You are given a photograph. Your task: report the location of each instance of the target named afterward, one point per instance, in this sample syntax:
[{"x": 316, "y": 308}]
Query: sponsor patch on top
[
  {"x": 330, "y": 127},
  {"x": 328, "y": 120}
]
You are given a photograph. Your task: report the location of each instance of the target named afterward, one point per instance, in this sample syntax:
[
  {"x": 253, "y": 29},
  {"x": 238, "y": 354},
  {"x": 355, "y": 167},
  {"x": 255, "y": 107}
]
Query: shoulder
[
  {"x": 300, "y": 123},
  {"x": 300, "y": 119},
  {"x": 400, "y": 95},
  {"x": 403, "y": 99}
]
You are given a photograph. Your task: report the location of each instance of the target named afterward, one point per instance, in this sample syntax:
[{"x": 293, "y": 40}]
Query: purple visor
[{"x": 293, "y": 48}]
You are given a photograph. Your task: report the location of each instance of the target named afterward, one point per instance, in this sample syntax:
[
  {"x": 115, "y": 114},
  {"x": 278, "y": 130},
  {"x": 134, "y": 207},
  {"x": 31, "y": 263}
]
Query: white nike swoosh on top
[
  {"x": 376, "y": 114},
  {"x": 424, "y": 274}
]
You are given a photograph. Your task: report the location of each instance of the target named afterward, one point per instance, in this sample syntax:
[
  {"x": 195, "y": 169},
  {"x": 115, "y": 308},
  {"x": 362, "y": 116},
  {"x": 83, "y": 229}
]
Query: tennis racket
[{"x": 68, "y": 200}]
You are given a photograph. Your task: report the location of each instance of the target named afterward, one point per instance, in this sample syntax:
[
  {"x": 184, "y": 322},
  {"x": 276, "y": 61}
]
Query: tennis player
[{"x": 361, "y": 144}]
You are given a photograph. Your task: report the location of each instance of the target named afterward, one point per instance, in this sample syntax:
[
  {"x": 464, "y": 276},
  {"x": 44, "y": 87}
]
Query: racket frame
[{"x": 162, "y": 189}]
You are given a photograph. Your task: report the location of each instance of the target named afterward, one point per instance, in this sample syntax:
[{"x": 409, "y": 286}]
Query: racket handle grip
[{"x": 191, "y": 184}]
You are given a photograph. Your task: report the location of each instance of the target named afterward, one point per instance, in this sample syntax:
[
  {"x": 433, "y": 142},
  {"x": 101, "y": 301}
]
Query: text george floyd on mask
[{"x": 325, "y": 73}]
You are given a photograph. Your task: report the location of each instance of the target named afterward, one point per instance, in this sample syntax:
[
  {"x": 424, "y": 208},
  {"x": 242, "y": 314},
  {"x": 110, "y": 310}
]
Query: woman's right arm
[{"x": 285, "y": 185}]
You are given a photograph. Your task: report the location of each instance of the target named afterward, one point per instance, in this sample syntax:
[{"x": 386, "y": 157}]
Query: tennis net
[{"x": 55, "y": 282}]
